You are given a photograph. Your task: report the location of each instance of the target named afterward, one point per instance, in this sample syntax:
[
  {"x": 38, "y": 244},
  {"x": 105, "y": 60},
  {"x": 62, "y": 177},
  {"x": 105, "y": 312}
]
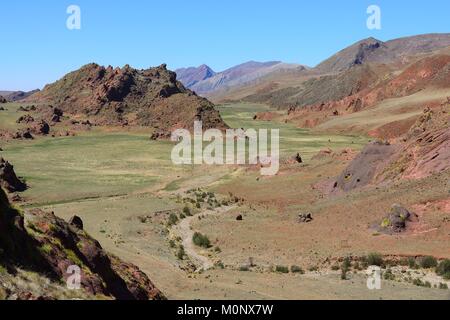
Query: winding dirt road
[{"x": 184, "y": 231}]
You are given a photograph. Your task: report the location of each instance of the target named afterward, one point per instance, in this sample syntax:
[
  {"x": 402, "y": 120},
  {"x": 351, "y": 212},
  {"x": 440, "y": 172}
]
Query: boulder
[
  {"x": 298, "y": 158},
  {"x": 305, "y": 217},
  {"x": 239, "y": 218},
  {"x": 9, "y": 179},
  {"x": 23, "y": 134},
  {"x": 41, "y": 127},
  {"x": 76, "y": 222},
  {"x": 25, "y": 119},
  {"x": 3, "y": 99},
  {"x": 397, "y": 219}
]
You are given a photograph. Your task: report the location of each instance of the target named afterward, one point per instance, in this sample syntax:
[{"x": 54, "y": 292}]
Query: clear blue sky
[{"x": 37, "y": 48}]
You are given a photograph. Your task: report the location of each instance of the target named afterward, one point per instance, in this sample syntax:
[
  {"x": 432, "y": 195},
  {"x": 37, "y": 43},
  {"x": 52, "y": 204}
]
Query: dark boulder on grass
[
  {"x": 25, "y": 119},
  {"x": 41, "y": 127},
  {"x": 9, "y": 179}
]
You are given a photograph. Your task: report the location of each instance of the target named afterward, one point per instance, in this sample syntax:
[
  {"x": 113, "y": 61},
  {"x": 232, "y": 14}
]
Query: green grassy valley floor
[{"x": 121, "y": 183}]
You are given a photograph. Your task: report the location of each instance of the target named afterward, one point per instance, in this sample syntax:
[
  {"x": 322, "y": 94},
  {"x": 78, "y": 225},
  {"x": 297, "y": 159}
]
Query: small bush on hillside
[
  {"x": 346, "y": 265},
  {"x": 374, "y": 259},
  {"x": 282, "y": 269},
  {"x": 412, "y": 263},
  {"x": 201, "y": 240},
  {"x": 172, "y": 244},
  {"x": 428, "y": 262},
  {"x": 388, "y": 275},
  {"x": 443, "y": 269},
  {"x": 343, "y": 274}
]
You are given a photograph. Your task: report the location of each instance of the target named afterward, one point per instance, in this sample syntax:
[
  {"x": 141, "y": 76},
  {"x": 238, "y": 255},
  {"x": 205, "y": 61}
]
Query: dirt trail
[{"x": 183, "y": 230}]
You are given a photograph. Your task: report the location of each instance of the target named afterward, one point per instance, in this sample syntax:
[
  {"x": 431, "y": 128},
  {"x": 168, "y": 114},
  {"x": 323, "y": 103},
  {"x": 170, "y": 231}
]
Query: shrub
[
  {"x": 346, "y": 264},
  {"x": 443, "y": 286},
  {"x": 182, "y": 216},
  {"x": 418, "y": 282},
  {"x": 297, "y": 269},
  {"x": 173, "y": 219},
  {"x": 282, "y": 269},
  {"x": 343, "y": 274},
  {"x": 412, "y": 263},
  {"x": 46, "y": 248},
  {"x": 201, "y": 240},
  {"x": 187, "y": 211},
  {"x": 443, "y": 269},
  {"x": 428, "y": 262},
  {"x": 172, "y": 244},
  {"x": 374, "y": 259},
  {"x": 388, "y": 275},
  {"x": 217, "y": 249},
  {"x": 181, "y": 253}
]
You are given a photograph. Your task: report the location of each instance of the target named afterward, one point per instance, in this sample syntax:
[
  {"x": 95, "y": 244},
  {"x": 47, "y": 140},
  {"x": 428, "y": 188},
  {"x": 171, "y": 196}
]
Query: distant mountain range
[
  {"x": 203, "y": 80},
  {"x": 360, "y": 66},
  {"x": 17, "y": 95},
  {"x": 372, "y": 50}
]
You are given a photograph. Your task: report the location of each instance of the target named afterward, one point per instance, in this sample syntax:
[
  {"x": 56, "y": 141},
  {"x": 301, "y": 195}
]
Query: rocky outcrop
[
  {"x": 366, "y": 167},
  {"x": 40, "y": 241},
  {"x": 423, "y": 151},
  {"x": 397, "y": 219},
  {"x": 46, "y": 244},
  {"x": 9, "y": 179},
  {"x": 119, "y": 96}
]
